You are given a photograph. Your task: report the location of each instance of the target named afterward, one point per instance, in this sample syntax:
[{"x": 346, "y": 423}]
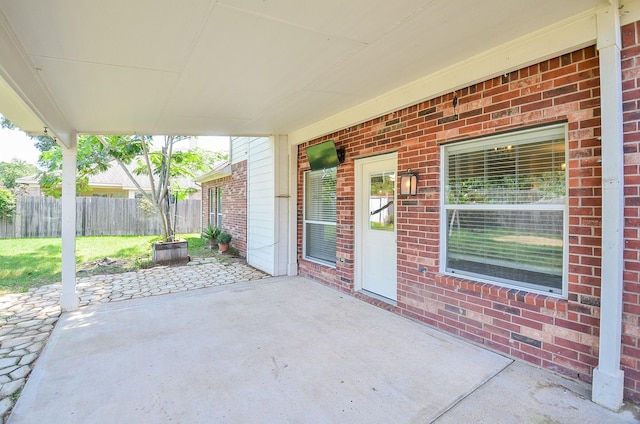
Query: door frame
[{"x": 359, "y": 216}]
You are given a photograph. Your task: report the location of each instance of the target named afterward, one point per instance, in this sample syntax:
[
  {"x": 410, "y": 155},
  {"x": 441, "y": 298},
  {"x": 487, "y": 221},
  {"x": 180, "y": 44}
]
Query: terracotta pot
[{"x": 223, "y": 247}]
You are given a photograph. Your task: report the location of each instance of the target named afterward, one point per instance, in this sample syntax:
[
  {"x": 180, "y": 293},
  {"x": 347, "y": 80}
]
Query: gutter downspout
[
  {"x": 69, "y": 298},
  {"x": 608, "y": 378}
]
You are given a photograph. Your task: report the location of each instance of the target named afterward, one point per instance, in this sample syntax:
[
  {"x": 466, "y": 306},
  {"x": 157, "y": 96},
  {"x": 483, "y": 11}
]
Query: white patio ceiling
[{"x": 236, "y": 67}]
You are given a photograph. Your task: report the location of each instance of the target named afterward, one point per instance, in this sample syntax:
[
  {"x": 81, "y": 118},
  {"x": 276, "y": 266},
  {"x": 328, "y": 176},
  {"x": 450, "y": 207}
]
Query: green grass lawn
[
  {"x": 517, "y": 249},
  {"x": 26, "y": 263}
]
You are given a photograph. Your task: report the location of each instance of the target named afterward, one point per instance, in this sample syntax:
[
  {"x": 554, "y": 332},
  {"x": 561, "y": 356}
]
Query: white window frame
[
  {"x": 508, "y": 139},
  {"x": 219, "y": 193},
  {"x": 305, "y": 222}
]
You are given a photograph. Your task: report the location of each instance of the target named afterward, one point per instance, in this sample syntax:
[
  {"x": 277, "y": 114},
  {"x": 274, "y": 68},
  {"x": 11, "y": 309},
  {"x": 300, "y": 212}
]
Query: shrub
[
  {"x": 211, "y": 233},
  {"x": 7, "y": 203},
  {"x": 224, "y": 237}
]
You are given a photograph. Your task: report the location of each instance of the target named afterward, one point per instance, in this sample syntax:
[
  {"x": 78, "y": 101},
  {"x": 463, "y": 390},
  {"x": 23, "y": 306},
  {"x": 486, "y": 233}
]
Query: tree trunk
[{"x": 165, "y": 214}]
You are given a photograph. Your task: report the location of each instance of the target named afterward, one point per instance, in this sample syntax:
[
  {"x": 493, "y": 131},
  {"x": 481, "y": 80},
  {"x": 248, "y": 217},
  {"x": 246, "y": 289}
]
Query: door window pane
[{"x": 381, "y": 201}]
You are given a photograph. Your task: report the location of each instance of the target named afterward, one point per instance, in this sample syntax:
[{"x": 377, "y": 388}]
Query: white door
[{"x": 376, "y": 247}]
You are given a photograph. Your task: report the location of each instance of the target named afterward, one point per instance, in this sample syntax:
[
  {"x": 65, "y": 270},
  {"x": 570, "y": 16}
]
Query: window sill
[
  {"x": 319, "y": 262},
  {"x": 485, "y": 289}
]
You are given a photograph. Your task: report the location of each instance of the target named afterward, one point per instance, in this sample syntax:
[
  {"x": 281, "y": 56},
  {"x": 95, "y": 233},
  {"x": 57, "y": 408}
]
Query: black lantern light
[{"x": 409, "y": 183}]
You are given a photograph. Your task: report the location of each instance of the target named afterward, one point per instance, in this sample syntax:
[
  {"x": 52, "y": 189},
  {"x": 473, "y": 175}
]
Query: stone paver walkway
[{"x": 27, "y": 319}]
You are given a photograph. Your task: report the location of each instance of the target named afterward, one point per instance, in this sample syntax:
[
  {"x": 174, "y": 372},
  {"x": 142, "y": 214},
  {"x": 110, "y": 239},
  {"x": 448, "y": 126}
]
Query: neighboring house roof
[
  {"x": 220, "y": 171},
  {"x": 28, "y": 180},
  {"x": 115, "y": 177}
]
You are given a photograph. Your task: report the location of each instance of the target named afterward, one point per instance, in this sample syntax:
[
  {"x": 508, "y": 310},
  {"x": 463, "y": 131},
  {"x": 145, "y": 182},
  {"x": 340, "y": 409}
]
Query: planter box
[{"x": 170, "y": 253}]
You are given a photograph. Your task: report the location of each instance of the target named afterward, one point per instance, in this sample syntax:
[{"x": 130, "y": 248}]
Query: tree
[
  {"x": 7, "y": 203},
  {"x": 96, "y": 153},
  {"x": 162, "y": 167},
  {"x": 11, "y": 171},
  {"x": 5, "y": 123}
]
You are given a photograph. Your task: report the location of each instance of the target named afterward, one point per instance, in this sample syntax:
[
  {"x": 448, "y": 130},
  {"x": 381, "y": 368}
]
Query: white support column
[
  {"x": 282, "y": 201},
  {"x": 69, "y": 298},
  {"x": 608, "y": 378}
]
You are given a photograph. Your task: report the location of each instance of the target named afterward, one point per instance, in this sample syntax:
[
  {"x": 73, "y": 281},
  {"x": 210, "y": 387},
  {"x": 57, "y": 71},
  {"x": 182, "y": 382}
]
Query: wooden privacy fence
[{"x": 95, "y": 216}]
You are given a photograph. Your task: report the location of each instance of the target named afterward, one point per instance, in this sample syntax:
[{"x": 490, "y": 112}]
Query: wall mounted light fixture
[{"x": 409, "y": 183}]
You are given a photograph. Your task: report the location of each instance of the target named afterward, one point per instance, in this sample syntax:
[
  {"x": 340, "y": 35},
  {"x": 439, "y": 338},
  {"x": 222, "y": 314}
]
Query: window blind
[
  {"x": 505, "y": 205},
  {"x": 320, "y": 215}
]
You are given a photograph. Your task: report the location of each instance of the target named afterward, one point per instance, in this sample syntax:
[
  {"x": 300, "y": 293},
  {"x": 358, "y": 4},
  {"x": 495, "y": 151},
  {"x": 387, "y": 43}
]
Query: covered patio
[
  {"x": 294, "y": 72},
  {"x": 282, "y": 349}
]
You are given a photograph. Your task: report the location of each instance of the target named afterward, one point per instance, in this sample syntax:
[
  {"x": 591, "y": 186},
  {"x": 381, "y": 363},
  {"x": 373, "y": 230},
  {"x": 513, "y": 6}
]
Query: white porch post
[
  {"x": 282, "y": 201},
  {"x": 608, "y": 378},
  {"x": 69, "y": 298}
]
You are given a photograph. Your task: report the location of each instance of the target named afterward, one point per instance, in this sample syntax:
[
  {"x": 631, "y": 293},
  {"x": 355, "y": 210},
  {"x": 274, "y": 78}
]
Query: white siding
[
  {"x": 239, "y": 149},
  {"x": 261, "y": 204}
]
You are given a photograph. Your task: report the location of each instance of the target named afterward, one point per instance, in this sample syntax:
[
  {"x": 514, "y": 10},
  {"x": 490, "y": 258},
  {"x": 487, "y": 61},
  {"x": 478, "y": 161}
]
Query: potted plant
[
  {"x": 211, "y": 233},
  {"x": 223, "y": 239}
]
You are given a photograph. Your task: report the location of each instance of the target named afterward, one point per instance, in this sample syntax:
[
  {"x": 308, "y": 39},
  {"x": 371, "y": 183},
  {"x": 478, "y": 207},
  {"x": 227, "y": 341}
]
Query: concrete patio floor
[{"x": 281, "y": 350}]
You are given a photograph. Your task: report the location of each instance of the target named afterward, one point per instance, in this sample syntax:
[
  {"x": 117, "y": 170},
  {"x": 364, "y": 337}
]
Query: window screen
[
  {"x": 320, "y": 215},
  {"x": 505, "y": 208}
]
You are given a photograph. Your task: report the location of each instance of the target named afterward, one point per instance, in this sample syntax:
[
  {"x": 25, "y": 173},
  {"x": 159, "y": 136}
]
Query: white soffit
[
  {"x": 549, "y": 42},
  {"x": 256, "y": 67},
  {"x": 13, "y": 106}
]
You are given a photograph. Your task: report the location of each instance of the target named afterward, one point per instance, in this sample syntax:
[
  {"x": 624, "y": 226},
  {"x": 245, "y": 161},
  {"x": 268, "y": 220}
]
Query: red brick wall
[
  {"x": 631, "y": 296},
  {"x": 557, "y": 334},
  {"x": 234, "y": 205}
]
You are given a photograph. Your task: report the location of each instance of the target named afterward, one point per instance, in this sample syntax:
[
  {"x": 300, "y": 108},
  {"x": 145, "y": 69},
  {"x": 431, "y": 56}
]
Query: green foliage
[
  {"x": 93, "y": 157},
  {"x": 552, "y": 184},
  {"x": 382, "y": 185},
  {"x": 7, "y": 203},
  {"x": 486, "y": 245},
  {"x": 223, "y": 237},
  {"x": 182, "y": 163},
  {"x": 11, "y": 171},
  {"x": 182, "y": 193},
  {"x": 96, "y": 153},
  {"x": 5, "y": 123},
  {"x": 199, "y": 248},
  {"x": 528, "y": 188},
  {"x": 43, "y": 143},
  {"x": 211, "y": 233}
]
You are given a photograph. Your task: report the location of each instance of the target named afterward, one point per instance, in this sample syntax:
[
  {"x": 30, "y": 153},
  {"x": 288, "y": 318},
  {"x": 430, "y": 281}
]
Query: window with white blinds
[
  {"x": 505, "y": 209},
  {"x": 320, "y": 216}
]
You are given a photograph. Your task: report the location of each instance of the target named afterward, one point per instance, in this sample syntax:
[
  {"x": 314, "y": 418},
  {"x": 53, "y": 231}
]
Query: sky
[{"x": 16, "y": 144}]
